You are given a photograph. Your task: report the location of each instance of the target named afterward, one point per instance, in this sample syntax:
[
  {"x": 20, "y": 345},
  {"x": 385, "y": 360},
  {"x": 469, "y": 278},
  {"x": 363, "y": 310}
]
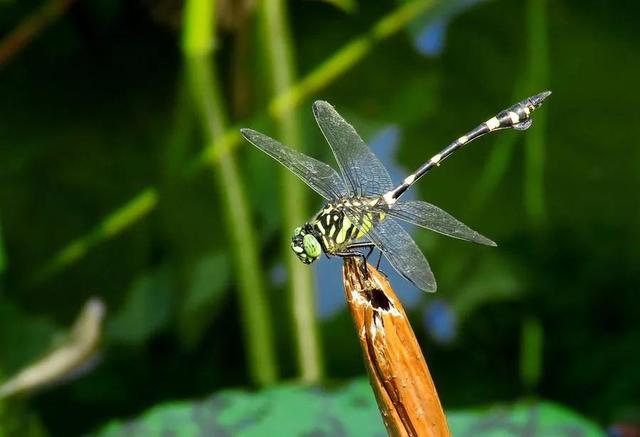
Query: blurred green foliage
[
  {"x": 347, "y": 411},
  {"x": 98, "y": 132}
]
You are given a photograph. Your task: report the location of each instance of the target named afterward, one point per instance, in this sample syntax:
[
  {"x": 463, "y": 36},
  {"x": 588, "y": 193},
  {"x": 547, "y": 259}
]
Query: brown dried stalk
[
  {"x": 31, "y": 27},
  {"x": 398, "y": 372}
]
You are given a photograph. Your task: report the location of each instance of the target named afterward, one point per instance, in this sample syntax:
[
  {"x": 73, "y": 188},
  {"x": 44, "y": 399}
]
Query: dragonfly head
[{"x": 305, "y": 245}]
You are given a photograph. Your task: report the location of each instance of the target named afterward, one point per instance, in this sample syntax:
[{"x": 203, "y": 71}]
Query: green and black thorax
[{"x": 334, "y": 228}]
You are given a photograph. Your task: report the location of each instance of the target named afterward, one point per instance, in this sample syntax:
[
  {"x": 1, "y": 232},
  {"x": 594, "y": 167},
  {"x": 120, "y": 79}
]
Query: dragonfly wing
[
  {"x": 361, "y": 169},
  {"x": 399, "y": 249},
  {"x": 322, "y": 178},
  {"x": 431, "y": 217}
]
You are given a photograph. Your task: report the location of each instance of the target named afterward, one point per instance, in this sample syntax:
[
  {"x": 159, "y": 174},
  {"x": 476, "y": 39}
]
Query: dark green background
[{"x": 90, "y": 113}]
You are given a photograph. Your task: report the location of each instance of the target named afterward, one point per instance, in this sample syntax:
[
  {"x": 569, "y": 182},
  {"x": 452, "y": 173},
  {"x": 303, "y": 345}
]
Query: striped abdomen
[{"x": 334, "y": 229}]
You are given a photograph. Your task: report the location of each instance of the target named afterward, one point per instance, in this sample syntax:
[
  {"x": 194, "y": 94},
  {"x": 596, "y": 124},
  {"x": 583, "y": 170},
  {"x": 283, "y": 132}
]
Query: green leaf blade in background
[
  {"x": 279, "y": 53},
  {"x": 146, "y": 310},
  {"x": 208, "y": 288},
  {"x": 208, "y": 104}
]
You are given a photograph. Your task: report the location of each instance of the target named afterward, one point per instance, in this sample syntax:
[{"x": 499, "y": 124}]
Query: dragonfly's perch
[{"x": 398, "y": 372}]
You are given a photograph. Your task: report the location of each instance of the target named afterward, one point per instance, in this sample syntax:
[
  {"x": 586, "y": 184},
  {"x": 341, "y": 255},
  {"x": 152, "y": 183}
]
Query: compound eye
[{"x": 311, "y": 246}]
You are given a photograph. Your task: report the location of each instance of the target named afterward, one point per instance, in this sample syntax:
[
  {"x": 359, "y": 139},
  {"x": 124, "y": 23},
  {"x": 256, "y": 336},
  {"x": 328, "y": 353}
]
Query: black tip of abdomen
[{"x": 539, "y": 98}]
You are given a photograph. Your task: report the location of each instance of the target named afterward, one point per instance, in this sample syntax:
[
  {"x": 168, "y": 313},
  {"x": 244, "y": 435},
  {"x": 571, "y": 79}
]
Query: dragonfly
[{"x": 364, "y": 208}]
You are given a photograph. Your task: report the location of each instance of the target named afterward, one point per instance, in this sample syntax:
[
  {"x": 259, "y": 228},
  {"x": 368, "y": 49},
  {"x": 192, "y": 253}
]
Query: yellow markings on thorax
[
  {"x": 337, "y": 230},
  {"x": 493, "y": 123},
  {"x": 344, "y": 230},
  {"x": 332, "y": 231},
  {"x": 326, "y": 242},
  {"x": 366, "y": 225}
]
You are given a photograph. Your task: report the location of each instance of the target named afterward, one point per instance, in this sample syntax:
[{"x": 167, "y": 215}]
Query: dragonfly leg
[
  {"x": 355, "y": 254},
  {"x": 351, "y": 251},
  {"x": 378, "y": 263},
  {"x": 365, "y": 244},
  {"x": 366, "y": 258}
]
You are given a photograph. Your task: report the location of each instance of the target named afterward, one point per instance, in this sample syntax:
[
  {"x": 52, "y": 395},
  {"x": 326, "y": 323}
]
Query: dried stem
[
  {"x": 398, "y": 372},
  {"x": 28, "y": 29},
  {"x": 71, "y": 358}
]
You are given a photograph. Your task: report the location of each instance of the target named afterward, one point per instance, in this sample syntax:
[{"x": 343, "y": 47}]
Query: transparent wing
[
  {"x": 362, "y": 171},
  {"x": 322, "y": 178},
  {"x": 399, "y": 248},
  {"x": 431, "y": 217}
]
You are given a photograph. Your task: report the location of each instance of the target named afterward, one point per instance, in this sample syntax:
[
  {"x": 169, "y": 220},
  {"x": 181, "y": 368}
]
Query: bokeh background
[{"x": 124, "y": 179}]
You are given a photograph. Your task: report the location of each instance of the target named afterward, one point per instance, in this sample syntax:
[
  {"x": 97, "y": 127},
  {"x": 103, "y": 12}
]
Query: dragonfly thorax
[
  {"x": 335, "y": 230},
  {"x": 331, "y": 231}
]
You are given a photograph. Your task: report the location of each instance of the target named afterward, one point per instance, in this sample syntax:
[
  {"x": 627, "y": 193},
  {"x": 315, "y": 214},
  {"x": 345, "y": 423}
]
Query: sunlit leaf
[
  {"x": 522, "y": 419},
  {"x": 350, "y": 410}
]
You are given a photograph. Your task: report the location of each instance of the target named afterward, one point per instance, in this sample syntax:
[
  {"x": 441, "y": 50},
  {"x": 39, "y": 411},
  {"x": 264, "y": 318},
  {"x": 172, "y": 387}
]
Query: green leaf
[
  {"x": 16, "y": 419},
  {"x": 23, "y": 337},
  {"x": 146, "y": 310},
  {"x": 537, "y": 418},
  {"x": 493, "y": 280},
  {"x": 208, "y": 288},
  {"x": 349, "y": 410}
]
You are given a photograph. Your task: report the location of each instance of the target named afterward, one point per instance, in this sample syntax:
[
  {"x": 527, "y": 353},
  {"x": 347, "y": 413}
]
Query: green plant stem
[
  {"x": 327, "y": 72},
  {"x": 116, "y": 222},
  {"x": 276, "y": 35},
  {"x": 322, "y": 76},
  {"x": 257, "y": 325},
  {"x": 347, "y": 56},
  {"x": 534, "y": 142},
  {"x": 531, "y": 352},
  {"x": 198, "y": 36},
  {"x": 533, "y": 80}
]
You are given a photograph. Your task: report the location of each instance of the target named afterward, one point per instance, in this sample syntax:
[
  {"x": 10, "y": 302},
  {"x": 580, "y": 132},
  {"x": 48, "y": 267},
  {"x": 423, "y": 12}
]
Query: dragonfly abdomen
[{"x": 517, "y": 116}]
